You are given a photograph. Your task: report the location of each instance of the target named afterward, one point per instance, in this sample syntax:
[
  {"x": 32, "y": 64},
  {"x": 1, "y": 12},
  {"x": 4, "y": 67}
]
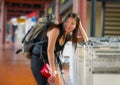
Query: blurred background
[
  {"x": 97, "y": 63},
  {"x": 100, "y": 18}
]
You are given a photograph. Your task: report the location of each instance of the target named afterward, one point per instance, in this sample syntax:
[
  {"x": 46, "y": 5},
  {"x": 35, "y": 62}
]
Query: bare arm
[
  {"x": 52, "y": 37},
  {"x": 85, "y": 37}
]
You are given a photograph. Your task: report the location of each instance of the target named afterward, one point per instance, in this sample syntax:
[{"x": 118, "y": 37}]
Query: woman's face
[{"x": 69, "y": 25}]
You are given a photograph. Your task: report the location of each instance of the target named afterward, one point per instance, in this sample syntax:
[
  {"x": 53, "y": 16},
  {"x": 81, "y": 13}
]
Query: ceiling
[{"x": 16, "y": 8}]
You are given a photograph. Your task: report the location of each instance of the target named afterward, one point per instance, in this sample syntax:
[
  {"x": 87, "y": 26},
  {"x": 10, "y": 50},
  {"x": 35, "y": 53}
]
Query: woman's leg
[{"x": 36, "y": 65}]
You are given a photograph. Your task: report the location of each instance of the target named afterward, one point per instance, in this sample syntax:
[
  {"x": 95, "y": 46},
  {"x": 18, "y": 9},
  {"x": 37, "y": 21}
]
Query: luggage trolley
[
  {"x": 101, "y": 55},
  {"x": 80, "y": 65},
  {"x": 105, "y": 57}
]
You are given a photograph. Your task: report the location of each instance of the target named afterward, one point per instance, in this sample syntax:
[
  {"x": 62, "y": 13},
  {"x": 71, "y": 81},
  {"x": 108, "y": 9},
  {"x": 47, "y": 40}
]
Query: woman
[{"x": 56, "y": 36}]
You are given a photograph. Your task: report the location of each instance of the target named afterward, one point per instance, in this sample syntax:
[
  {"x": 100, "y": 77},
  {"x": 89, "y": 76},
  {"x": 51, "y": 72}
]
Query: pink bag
[{"x": 45, "y": 70}]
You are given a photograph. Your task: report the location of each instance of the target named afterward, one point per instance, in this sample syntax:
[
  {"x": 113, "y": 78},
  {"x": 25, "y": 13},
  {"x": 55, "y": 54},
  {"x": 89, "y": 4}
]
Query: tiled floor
[{"x": 14, "y": 69}]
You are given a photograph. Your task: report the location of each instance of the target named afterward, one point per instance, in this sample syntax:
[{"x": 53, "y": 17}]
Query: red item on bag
[{"x": 45, "y": 70}]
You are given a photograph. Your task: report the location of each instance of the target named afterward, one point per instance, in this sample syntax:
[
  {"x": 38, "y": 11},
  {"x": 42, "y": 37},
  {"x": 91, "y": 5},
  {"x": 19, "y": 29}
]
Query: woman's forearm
[
  {"x": 84, "y": 35},
  {"x": 51, "y": 59}
]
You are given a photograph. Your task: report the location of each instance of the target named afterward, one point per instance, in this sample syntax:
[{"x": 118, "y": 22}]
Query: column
[
  {"x": 2, "y": 17},
  {"x": 46, "y": 8},
  {"x": 0, "y": 22},
  {"x": 57, "y": 10},
  {"x": 80, "y": 7},
  {"x": 93, "y": 18}
]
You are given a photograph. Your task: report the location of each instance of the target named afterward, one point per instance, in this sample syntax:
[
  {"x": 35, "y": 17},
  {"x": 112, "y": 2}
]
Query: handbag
[{"x": 45, "y": 70}]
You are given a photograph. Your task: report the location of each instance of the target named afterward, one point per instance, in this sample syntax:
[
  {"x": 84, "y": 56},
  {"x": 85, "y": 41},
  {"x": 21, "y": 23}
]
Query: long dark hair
[{"x": 75, "y": 31}]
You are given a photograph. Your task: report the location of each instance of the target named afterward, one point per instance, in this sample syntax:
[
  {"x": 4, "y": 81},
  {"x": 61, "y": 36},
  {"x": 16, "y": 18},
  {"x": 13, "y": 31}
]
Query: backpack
[{"x": 38, "y": 29}]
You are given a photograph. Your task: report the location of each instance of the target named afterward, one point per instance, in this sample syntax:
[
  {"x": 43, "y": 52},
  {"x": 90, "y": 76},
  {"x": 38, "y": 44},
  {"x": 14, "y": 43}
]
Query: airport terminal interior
[{"x": 94, "y": 63}]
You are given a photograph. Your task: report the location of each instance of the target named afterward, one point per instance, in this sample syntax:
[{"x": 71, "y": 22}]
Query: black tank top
[{"x": 58, "y": 47}]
